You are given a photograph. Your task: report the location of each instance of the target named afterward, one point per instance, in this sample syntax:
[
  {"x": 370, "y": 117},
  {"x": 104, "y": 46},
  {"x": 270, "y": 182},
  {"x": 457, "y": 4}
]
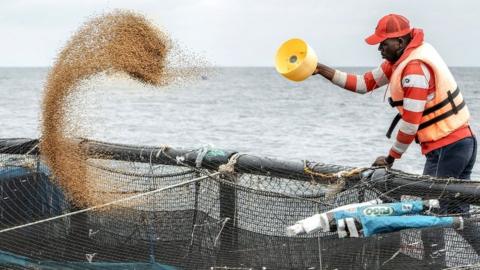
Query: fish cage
[{"x": 173, "y": 208}]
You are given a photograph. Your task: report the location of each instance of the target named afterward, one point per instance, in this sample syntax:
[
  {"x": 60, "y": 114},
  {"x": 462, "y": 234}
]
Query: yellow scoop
[{"x": 295, "y": 60}]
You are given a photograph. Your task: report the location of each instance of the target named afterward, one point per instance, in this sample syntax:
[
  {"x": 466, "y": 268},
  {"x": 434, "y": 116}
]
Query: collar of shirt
[{"x": 417, "y": 40}]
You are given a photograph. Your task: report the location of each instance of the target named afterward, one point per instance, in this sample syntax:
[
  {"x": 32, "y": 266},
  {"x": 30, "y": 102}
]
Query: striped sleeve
[
  {"x": 364, "y": 83},
  {"x": 416, "y": 84}
]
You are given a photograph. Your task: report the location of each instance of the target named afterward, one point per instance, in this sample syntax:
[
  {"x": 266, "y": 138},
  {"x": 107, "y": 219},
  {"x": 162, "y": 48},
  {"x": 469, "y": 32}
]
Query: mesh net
[{"x": 165, "y": 208}]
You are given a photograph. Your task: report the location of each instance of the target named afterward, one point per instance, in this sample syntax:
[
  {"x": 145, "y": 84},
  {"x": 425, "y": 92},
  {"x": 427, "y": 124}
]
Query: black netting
[{"x": 233, "y": 220}]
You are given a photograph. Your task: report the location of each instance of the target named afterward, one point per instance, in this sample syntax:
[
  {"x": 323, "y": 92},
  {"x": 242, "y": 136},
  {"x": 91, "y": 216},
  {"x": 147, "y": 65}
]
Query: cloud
[{"x": 245, "y": 32}]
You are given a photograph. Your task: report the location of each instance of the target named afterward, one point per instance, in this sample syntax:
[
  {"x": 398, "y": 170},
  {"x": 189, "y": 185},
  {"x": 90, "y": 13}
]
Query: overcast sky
[{"x": 247, "y": 32}]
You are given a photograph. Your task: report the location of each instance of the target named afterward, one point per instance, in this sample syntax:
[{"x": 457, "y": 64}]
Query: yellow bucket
[{"x": 295, "y": 60}]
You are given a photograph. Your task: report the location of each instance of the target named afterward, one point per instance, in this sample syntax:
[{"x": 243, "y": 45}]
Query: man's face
[{"x": 391, "y": 49}]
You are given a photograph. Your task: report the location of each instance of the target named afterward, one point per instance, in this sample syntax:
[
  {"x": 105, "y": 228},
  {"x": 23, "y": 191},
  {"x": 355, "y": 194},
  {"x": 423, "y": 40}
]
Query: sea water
[{"x": 249, "y": 109}]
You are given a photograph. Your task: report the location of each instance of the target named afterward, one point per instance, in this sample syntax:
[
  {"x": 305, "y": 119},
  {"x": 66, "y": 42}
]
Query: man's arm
[
  {"x": 325, "y": 71},
  {"x": 416, "y": 81},
  {"x": 357, "y": 83}
]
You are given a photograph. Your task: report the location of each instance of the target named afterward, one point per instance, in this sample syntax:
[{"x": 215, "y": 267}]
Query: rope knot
[{"x": 229, "y": 167}]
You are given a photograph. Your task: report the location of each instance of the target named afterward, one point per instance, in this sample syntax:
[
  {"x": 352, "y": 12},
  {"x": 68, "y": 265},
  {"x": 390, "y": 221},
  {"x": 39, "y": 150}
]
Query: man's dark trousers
[{"x": 453, "y": 160}]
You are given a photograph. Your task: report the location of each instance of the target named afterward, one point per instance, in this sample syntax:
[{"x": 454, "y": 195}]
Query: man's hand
[
  {"x": 317, "y": 70},
  {"x": 325, "y": 71},
  {"x": 383, "y": 161}
]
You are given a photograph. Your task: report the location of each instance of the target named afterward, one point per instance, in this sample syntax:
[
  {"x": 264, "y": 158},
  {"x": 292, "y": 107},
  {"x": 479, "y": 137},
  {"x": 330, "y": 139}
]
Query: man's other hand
[{"x": 383, "y": 161}]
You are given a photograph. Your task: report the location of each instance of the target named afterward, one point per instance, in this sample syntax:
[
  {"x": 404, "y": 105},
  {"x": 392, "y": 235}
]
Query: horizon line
[{"x": 253, "y": 66}]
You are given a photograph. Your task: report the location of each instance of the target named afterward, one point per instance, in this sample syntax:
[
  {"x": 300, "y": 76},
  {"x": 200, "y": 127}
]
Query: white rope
[
  {"x": 110, "y": 203},
  {"x": 220, "y": 232},
  {"x": 31, "y": 150},
  {"x": 163, "y": 148},
  {"x": 229, "y": 168},
  {"x": 201, "y": 155}
]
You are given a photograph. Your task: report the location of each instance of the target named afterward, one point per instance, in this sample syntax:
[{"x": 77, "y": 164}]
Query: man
[{"x": 431, "y": 107}]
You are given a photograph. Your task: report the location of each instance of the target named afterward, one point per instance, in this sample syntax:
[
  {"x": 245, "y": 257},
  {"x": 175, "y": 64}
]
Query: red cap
[{"x": 389, "y": 26}]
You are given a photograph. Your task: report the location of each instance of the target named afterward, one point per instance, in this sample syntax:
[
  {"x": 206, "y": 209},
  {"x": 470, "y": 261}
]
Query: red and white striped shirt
[
  {"x": 364, "y": 83},
  {"x": 418, "y": 84}
]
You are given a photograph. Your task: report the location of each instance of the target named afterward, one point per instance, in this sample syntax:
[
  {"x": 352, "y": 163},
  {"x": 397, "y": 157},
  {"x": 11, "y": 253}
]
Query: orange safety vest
[{"x": 445, "y": 112}]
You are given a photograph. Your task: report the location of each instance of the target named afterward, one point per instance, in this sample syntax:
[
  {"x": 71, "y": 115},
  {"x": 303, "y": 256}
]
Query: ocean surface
[{"x": 251, "y": 110}]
